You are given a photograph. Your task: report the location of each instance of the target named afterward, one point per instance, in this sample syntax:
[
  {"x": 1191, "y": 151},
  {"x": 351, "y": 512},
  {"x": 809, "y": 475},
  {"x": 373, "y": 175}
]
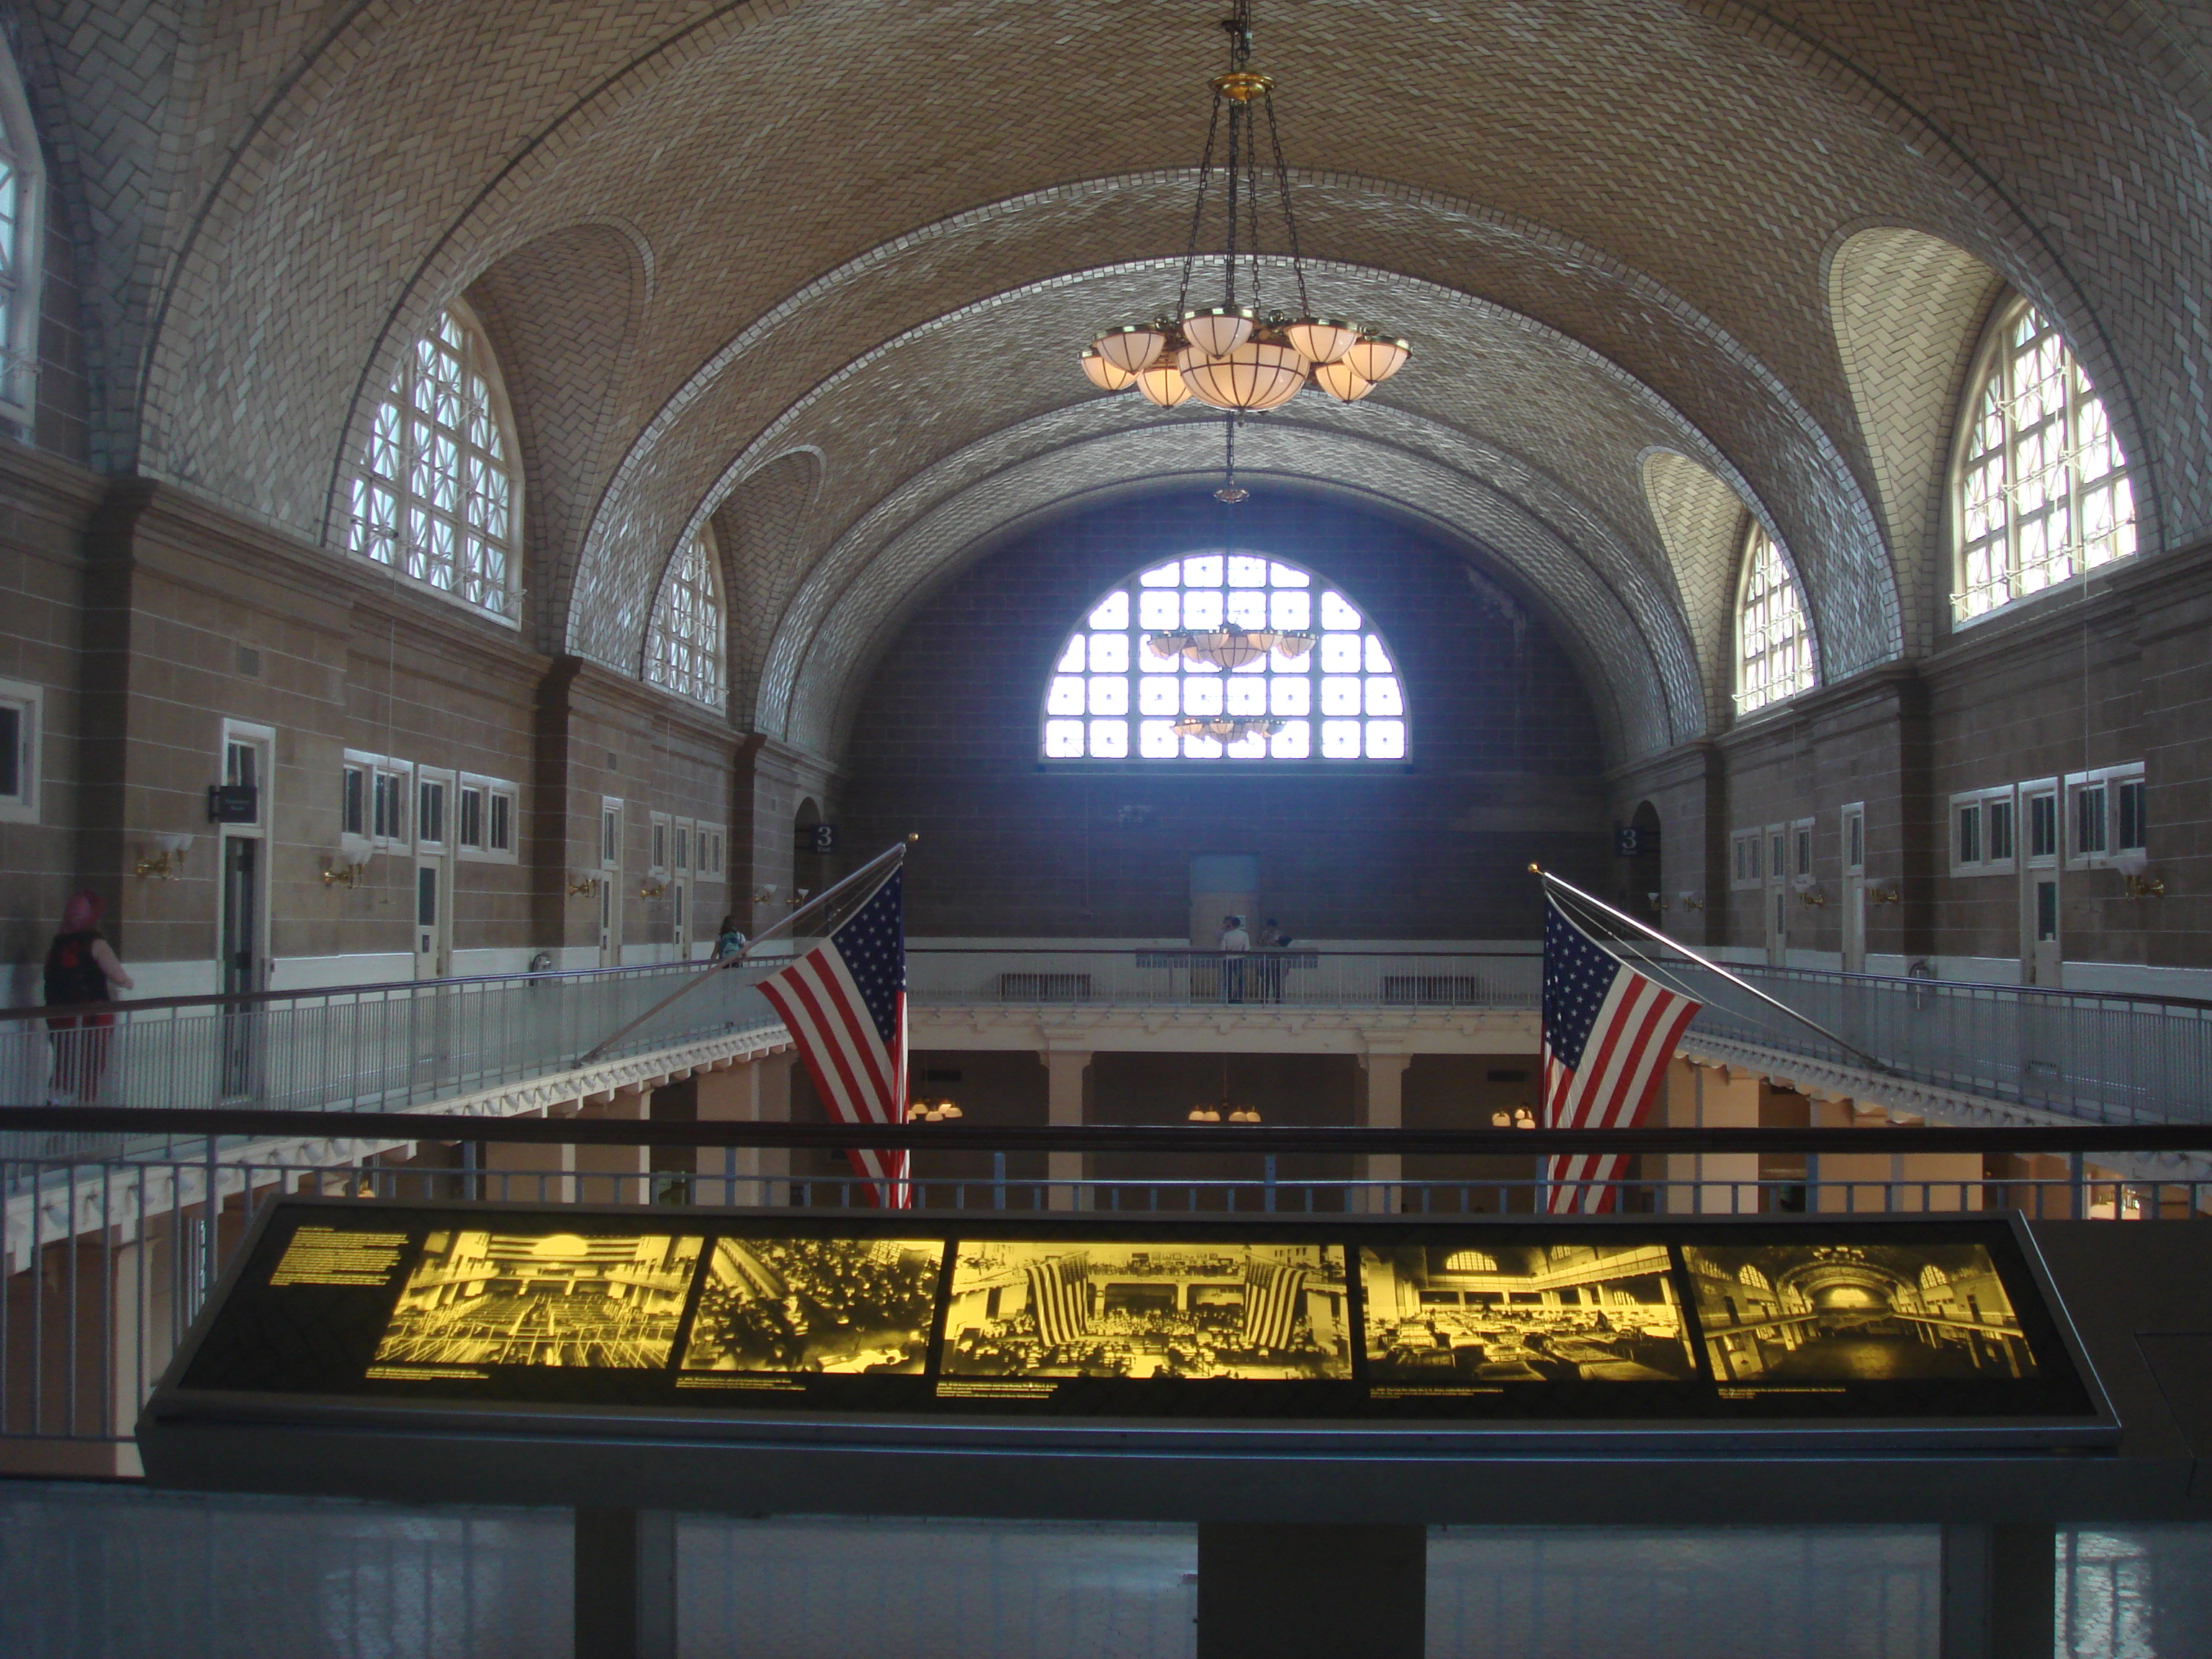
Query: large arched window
[
  {"x": 2043, "y": 489},
  {"x": 439, "y": 495},
  {"x": 683, "y": 647},
  {"x": 22, "y": 224},
  {"x": 1117, "y": 693},
  {"x": 1773, "y": 650}
]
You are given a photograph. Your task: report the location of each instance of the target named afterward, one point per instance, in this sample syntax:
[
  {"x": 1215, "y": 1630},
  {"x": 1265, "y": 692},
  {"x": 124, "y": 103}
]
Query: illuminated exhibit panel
[
  {"x": 1506, "y": 1323},
  {"x": 1030, "y": 1307},
  {"x": 861, "y": 1306},
  {"x": 1523, "y": 1313},
  {"x": 1836, "y": 1314}
]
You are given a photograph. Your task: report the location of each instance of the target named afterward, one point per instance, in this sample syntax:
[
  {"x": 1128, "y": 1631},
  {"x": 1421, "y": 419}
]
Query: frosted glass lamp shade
[
  {"x": 1106, "y": 376},
  {"x": 1162, "y": 384},
  {"x": 1131, "y": 350},
  {"x": 1375, "y": 358},
  {"x": 1219, "y": 329},
  {"x": 1341, "y": 383},
  {"x": 1321, "y": 339},
  {"x": 1254, "y": 375}
]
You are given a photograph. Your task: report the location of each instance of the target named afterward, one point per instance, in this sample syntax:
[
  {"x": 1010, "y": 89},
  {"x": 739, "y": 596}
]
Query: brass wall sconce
[
  {"x": 1688, "y": 900},
  {"x": 346, "y": 866},
  {"x": 764, "y": 895},
  {"x": 650, "y": 890},
  {"x": 1886, "y": 893},
  {"x": 1659, "y": 903},
  {"x": 163, "y": 858},
  {"x": 2136, "y": 879},
  {"x": 1810, "y": 892},
  {"x": 583, "y": 885}
]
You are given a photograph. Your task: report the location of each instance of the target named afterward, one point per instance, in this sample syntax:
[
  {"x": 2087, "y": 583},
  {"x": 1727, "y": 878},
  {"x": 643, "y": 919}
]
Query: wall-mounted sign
[
  {"x": 1628, "y": 840},
  {"x": 233, "y": 802},
  {"x": 817, "y": 837}
]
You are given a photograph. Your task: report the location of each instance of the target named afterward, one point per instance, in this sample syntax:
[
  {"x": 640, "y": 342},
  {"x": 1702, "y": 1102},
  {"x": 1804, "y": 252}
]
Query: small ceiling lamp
[{"x": 1243, "y": 355}]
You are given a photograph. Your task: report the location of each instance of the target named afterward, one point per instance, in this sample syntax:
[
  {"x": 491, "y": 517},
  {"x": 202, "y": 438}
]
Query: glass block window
[
  {"x": 1774, "y": 652},
  {"x": 1110, "y": 697},
  {"x": 436, "y": 496},
  {"x": 2043, "y": 490},
  {"x": 684, "y": 647},
  {"x": 22, "y": 185}
]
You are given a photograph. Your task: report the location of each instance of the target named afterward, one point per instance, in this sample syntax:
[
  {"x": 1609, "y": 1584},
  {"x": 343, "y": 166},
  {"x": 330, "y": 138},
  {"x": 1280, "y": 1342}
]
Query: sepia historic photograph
[
  {"x": 1200, "y": 1310},
  {"x": 855, "y": 1306},
  {"x": 1452, "y": 1315},
  {"x": 542, "y": 1298},
  {"x": 1847, "y": 1313}
]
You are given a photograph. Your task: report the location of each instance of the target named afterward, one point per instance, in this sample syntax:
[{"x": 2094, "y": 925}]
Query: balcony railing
[
  {"x": 1298, "y": 976},
  {"x": 364, "y": 1047}
]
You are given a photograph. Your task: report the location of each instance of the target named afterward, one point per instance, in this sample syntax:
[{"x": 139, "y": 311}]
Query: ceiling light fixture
[{"x": 1243, "y": 355}]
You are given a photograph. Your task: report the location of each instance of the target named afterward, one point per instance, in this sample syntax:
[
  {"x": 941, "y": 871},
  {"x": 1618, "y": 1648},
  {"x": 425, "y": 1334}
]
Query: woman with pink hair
[{"x": 81, "y": 968}]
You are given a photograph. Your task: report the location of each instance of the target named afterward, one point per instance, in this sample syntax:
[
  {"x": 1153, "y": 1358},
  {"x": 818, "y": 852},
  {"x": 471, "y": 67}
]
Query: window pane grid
[
  {"x": 2045, "y": 491},
  {"x": 684, "y": 647},
  {"x": 1774, "y": 657},
  {"x": 1109, "y": 698},
  {"x": 434, "y": 498}
]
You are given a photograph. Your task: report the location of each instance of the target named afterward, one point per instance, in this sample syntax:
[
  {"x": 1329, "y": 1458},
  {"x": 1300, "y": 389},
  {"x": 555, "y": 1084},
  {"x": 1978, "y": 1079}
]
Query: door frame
[
  {"x": 1851, "y": 845},
  {"x": 261, "y": 741},
  {"x": 440, "y": 866},
  {"x": 2042, "y": 962}
]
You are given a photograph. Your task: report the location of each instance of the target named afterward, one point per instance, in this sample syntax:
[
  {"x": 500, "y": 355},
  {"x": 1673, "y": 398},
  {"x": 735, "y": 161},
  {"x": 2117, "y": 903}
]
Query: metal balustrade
[
  {"x": 365, "y": 1048},
  {"x": 107, "y": 1259},
  {"x": 1298, "y": 976}
]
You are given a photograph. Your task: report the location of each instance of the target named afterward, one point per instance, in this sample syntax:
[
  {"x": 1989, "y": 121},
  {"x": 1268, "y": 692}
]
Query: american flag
[
  {"x": 1608, "y": 1034},
  {"x": 1060, "y": 1296},
  {"x": 1274, "y": 1295},
  {"x": 844, "y": 1003}
]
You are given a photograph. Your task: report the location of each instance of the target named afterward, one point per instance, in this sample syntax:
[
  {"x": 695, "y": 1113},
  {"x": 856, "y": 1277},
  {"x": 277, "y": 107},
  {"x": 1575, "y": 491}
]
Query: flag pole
[
  {"x": 893, "y": 854},
  {"x": 1551, "y": 880}
]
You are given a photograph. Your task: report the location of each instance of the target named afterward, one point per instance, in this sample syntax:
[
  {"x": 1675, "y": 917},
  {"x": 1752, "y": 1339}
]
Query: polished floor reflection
[{"x": 113, "y": 1571}]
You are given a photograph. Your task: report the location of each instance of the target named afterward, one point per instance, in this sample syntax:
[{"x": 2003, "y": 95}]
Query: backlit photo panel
[
  {"x": 840, "y": 1306},
  {"x": 1196, "y": 1311},
  {"x": 1460, "y": 1315},
  {"x": 542, "y": 1296},
  {"x": 1839, "y": 1314}
]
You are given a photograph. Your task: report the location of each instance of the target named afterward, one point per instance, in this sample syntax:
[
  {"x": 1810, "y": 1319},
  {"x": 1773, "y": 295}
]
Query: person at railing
[
  {"x": 731, "y": 940},
  {"x": 82, "y": 970},
  {"x": 1272, "y": 967},
  {"x": 1235, "y": 942}
]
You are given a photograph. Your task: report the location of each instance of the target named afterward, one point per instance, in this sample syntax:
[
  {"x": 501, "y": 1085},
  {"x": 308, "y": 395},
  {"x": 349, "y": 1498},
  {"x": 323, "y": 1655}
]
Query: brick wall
[{"x": 1502, "y": 769}]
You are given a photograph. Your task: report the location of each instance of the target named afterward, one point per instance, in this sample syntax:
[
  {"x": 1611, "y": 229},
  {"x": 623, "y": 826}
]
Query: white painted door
[
  {"x": 1854, "y": 894},
  {"x": 433, "y": 934},
  {"x": 1777, "y": 895}
]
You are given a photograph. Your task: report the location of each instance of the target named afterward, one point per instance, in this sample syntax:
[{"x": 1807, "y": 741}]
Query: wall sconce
[
  {"x": 764, "y": 895},
  {"x": 347, "y": 865},
  {"x": 1659, "y": 903},
  {"x": 798, "y": 896},
  {"x": 2133, "y": 865},
  {"x": 1688, "y": 899},
  {"x": 650, "y": 890},
  {"x": 1808, "y": 890},
  {"x": 163, "y": 858},
  {"x": 583, "y": 883},
  {"x": 1886, "y": 893}
]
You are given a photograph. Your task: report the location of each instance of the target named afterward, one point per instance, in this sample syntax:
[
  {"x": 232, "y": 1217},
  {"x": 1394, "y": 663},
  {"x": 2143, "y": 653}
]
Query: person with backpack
[{"x": 81, "y": 972}]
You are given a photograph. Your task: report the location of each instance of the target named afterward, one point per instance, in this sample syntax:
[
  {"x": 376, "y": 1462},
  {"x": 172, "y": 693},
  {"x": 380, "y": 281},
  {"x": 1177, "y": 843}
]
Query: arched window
[
  {"x": 22, "y": 225},
  {"x": 1773, "y": 652},
  {"x": 1330, "y": 691},
  {"x": 683, "y": 647},
  {"x": 2044, "y": 492},
  {"x": 439, "y": 495}
]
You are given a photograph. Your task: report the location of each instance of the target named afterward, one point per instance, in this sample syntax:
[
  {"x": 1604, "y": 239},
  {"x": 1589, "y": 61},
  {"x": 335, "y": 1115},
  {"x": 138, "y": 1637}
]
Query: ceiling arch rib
[
  {"x": 940, "y": 523},
  {"x": 1700, "y": 519}
]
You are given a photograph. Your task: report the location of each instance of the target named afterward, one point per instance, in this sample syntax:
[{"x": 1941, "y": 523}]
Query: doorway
[
  {"x": 1646, "y": 871},
  {"x": 432, "y": 928},
  {"x": 2041, "y": 945},
  {"x": 679, "y": 891},
  {"x": 611, "y": 858},
  {"x": 241, "y": 947},
  {"x": 1854, "y": 894},
  {"x": 1778, "y": 895}
]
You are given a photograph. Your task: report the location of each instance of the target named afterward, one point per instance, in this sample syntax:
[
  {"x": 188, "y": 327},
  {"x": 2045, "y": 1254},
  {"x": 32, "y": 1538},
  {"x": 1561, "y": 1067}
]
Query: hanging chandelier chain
[
  {"x": 1236, "y": 112},
  {"x": 1252, "y": 200},
  {"x": 1198, "y": 208},
  {"x": 1290, "y": 218}
]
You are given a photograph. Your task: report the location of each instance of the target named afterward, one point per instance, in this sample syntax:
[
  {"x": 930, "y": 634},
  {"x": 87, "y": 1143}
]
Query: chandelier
[
  {"x": 1228, "y": 728},
  {"x": 1242, "y": 355}
]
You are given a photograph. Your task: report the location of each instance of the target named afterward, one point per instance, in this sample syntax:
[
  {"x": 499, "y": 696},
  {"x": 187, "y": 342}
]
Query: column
[
  {"x": 756, "y": 1090},
  {"x": 1385, "y": 1110},
  {"x": 603, "y": 1171},
  {"x": 1311, "y": 1592},
  {"x": 1711, "y": 1097},
  {"x": 625, "y": 1583},
  {"x": 1064, "y": 1074}
]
